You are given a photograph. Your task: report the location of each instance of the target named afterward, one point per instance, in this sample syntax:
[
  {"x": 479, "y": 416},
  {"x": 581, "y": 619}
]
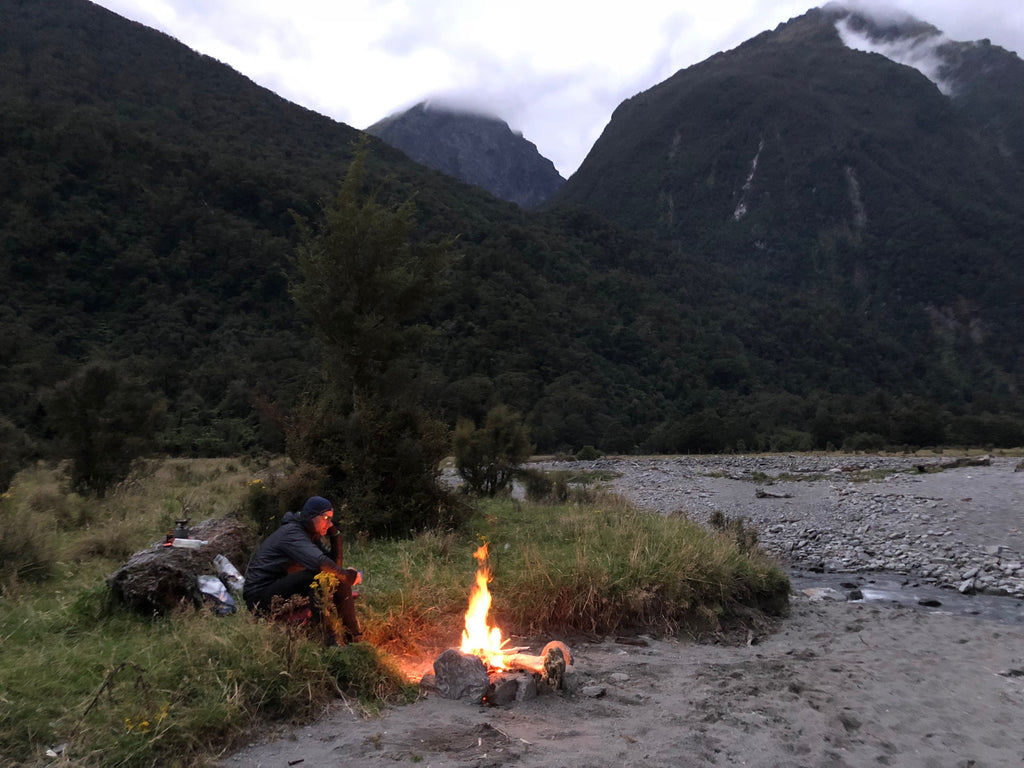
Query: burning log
[{"x": 550, "y": 665}]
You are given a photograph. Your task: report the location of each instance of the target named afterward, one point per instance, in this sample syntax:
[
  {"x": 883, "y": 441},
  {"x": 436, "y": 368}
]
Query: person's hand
[
  {"x": 333, "y": 531},
  {"x": 352, "y": 576}
]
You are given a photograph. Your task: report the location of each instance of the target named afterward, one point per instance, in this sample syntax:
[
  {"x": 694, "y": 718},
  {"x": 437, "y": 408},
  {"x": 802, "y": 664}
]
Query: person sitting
[{"x": 289, "y": 560}]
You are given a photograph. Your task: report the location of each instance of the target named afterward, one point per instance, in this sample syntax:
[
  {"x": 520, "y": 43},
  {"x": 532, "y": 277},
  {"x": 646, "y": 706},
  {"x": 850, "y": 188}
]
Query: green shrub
[
  {"x": 105, "y": 420},
  {"x": 864, "y": 441},
  {"x": 487, "y": 456},
  {"x": 17, "y": 448},
  {"x": 69, "y": 511},
  {"x": 559, "y": 487},
  {"x": 267, "y": 501},
  {"x": 262, "y": 507},
  {"x": 538, "y": 485},
  {"x": 381, "y": 461},
  {"x": 26, "y": 546}
]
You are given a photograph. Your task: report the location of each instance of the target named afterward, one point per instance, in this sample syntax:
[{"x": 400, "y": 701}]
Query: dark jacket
[{"x": 291, "y": 544}]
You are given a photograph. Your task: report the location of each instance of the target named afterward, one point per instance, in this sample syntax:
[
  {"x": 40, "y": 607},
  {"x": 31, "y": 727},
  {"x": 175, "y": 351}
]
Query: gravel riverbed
[{"x": 954, "y": 527}]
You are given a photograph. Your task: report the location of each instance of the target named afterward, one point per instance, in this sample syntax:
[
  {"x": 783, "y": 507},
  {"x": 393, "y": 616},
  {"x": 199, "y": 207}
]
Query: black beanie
[{"x": 315, "y": 505}]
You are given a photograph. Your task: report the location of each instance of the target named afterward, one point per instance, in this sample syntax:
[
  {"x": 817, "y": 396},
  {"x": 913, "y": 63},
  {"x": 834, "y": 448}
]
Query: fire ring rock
[
  {"x": 458, "y": 675},
  {"x": 511, "y": 686}
]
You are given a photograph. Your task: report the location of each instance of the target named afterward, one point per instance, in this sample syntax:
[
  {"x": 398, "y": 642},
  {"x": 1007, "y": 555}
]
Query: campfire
[
  {"x": 479, "y": 638},
  {"x": 483, "y": 669}
]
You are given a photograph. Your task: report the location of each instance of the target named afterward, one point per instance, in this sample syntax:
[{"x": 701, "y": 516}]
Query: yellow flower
[{"x": 326, "y": 581}]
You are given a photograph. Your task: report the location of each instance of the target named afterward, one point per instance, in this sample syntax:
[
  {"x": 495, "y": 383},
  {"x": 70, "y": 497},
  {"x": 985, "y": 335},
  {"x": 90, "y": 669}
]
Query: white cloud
[
  {"x": 553, "y": 69},
  {"x": 919, "y": 52}
]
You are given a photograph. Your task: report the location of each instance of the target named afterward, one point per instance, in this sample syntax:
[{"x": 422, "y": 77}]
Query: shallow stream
[{"x": 882, "y": 587}]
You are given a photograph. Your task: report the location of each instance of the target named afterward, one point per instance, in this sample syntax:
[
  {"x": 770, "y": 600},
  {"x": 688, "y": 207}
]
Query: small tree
[
  {"x": 363, "y": 280},
  {"x": 106, "y": 420},
  {"x": 487, "y": 457}
]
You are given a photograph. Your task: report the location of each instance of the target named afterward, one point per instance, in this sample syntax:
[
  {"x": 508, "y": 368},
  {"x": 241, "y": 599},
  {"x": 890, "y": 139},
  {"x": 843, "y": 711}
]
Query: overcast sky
[{"x": 554, "y": 70}]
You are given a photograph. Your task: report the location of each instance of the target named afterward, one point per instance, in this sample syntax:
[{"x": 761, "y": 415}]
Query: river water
[{"x": 890, "y": 588}]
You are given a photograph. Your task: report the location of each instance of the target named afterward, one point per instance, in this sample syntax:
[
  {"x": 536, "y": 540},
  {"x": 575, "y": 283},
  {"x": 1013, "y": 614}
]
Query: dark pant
[{"x": 301, "y": 583}]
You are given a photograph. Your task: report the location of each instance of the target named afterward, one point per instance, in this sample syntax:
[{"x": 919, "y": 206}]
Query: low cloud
[
  {"x": 553, "y": 69},
  {"x": 920, "y": 51}
]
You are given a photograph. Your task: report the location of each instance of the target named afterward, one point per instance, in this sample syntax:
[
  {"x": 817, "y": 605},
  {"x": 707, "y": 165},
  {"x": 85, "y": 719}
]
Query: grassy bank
[{"x": 104, "y": 687}]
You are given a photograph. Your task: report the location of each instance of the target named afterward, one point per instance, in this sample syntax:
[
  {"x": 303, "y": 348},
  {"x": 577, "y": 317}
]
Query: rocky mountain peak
[{"x": 477, "y": 148}]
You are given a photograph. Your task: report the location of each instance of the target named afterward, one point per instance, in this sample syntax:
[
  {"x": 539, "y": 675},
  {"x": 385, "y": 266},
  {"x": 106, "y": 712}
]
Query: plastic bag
[{"x": 215, "y": 593}]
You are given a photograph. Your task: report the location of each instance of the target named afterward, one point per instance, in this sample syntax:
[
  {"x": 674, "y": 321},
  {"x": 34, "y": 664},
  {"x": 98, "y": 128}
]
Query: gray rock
[
  {"x": 460, "y": 675},
  {"x": 161, "y": 579},
  {"x": 508, "y": 687}
]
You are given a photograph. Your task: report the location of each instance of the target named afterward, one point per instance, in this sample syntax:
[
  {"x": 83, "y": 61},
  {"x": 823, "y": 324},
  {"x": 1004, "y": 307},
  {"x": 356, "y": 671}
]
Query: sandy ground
[{"x": 838, "y": 684}]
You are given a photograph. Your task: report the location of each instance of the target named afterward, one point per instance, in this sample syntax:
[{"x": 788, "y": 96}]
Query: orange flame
[{"x": 478, "y": 638}]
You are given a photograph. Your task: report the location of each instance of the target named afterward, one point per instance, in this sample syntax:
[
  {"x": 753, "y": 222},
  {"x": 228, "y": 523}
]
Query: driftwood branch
[
  {"x": 555, "y": 657},
  {"x": 981, "y": 461},
  {"x": 761, "y": 493}
]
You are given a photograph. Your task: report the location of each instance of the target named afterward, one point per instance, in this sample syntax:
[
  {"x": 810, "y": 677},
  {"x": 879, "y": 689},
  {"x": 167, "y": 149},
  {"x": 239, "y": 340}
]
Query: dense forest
[{"x": 150, "y": 200}]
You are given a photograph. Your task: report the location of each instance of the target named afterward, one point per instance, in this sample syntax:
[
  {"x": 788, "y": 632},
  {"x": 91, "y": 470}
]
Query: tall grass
[
  {"x": 123, "y": 690},
  {"x": 605, "y": 567},
  {"x": 106, "y": 687}
]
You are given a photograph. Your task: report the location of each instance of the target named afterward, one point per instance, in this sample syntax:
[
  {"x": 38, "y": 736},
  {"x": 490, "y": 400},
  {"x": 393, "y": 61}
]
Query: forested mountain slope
[
  {"x": 146, "y": 216},
  {"x": 835, "y": 172}
]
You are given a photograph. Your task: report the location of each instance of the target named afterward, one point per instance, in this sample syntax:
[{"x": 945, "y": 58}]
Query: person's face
[{"x": 322, "y": 522}]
